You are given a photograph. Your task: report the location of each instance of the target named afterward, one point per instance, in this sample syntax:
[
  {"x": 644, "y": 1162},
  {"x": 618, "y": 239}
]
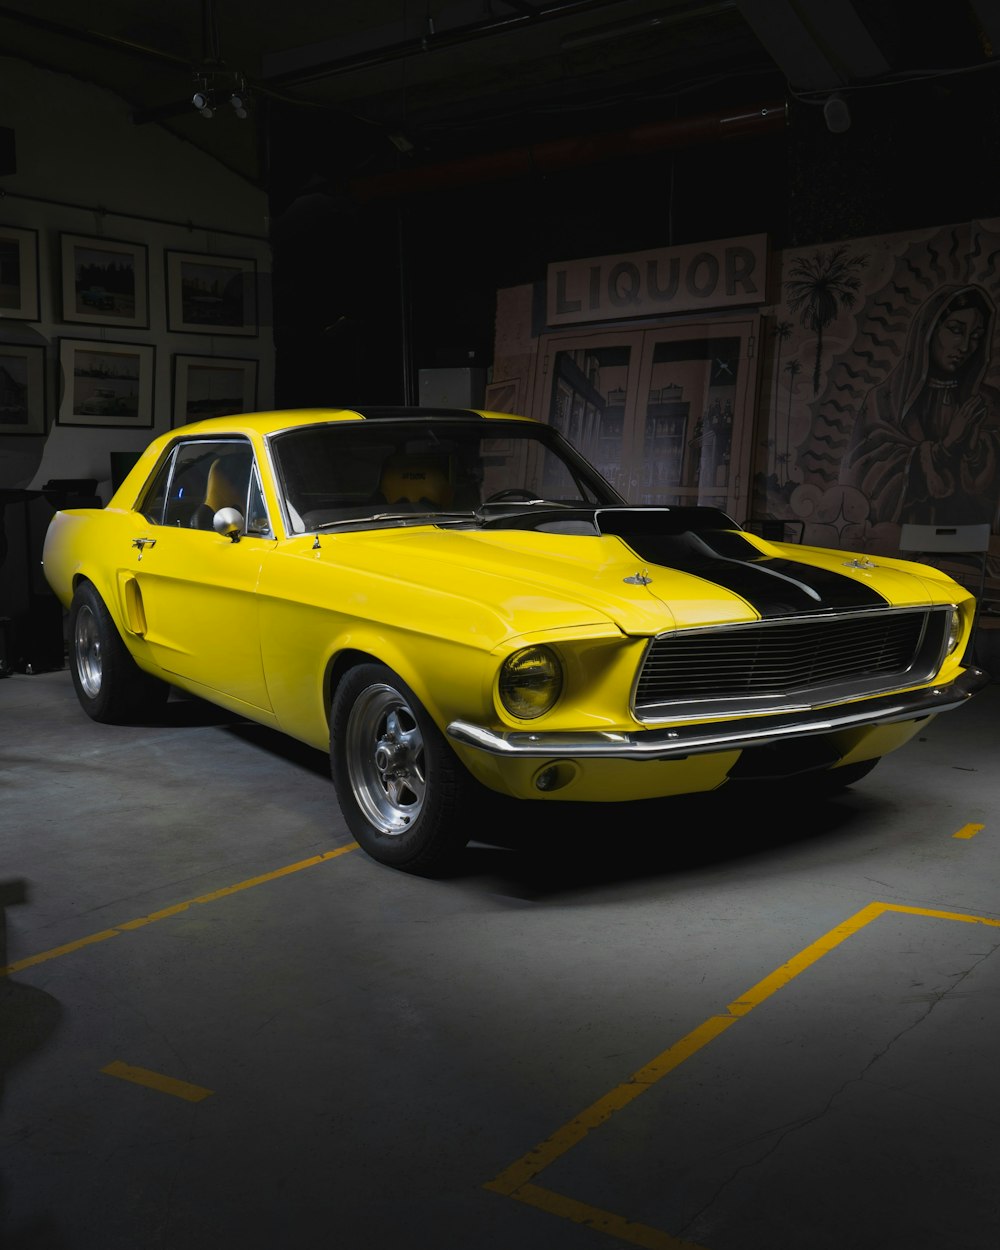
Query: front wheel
[
  {"x": 110, "y": 685},
  {"x": 401, "y": 788}
]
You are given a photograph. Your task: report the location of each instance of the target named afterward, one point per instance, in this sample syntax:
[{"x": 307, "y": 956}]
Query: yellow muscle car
[{"x": 455, "y": 601}]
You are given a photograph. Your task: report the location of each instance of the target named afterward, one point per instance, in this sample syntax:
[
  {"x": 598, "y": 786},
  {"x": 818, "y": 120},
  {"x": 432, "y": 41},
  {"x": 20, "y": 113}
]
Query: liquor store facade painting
[{"x": 663, "y": 406}]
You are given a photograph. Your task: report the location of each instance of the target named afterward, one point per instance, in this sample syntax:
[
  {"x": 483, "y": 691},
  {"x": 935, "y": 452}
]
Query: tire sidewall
[
  {"x": 435, "y": 834},
  {"x": 86, "y": 599},
  {"x": 127, "y": 693}
]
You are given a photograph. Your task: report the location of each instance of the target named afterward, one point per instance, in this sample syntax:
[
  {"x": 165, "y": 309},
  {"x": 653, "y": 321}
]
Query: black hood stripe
[{"x": 773, "y": 586}]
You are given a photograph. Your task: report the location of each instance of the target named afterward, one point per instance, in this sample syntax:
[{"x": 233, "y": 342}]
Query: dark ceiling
[{"x": 395, "y": 86}]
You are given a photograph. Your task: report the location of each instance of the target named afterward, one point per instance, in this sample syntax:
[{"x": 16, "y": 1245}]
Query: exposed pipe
[
  {"x": 525, "y": 17},
  {"x": 558, "y": 154},
  {"x": 95, "y": 37}
]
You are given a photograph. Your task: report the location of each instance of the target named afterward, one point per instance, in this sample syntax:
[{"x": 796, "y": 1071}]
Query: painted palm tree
[
  {"x": 793, "y": 369},
  {"x": 819, "y": 287},
  {"x": 782, "y": 330}
]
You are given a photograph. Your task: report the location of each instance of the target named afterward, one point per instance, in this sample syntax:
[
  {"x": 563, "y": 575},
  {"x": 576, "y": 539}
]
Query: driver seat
[
  {"x": 225, "y": 487},
  {"x": 415, "y": 480}
]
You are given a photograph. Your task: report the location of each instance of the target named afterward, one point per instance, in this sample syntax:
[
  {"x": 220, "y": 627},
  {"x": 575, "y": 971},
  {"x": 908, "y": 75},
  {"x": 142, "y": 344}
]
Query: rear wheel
[
  {"x": 110, "y": 685},
  {"x": 401, "y": 788}
]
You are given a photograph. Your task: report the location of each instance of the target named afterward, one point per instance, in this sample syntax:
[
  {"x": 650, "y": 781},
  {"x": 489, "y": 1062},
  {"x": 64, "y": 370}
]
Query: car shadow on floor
[{"x": 536, "y": 850}]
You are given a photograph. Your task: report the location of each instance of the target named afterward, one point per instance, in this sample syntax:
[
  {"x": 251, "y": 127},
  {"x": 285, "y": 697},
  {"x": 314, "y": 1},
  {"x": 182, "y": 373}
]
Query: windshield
[{"x": 384, "y": 469}]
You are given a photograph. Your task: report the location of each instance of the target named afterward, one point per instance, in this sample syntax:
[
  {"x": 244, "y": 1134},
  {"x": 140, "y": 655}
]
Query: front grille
[{"x": 806, "y": 659}]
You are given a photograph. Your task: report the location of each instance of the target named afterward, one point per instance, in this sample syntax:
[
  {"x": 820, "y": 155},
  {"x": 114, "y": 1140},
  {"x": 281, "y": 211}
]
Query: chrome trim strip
[
  {"x": 735, "y": 735},
  {"x": 808, "y": 618}
]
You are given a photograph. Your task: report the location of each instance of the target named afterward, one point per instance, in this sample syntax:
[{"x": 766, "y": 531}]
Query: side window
[
  {"x": 256, "y": 513},
  {"x": 199, "y": 478},
  {"x": 155, "y": 500}
]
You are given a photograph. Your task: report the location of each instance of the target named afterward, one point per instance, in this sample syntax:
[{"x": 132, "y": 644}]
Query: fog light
[{"x": 555, "y": 776}]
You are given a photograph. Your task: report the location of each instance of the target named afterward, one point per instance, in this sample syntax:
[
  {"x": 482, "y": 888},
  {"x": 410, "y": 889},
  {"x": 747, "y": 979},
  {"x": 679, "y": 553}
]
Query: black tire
[
  {"x": 401, "y": 788},
  {"x": 111, "y": 687}
]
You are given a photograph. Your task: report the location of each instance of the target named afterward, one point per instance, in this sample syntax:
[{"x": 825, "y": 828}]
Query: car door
[{"x": 197, "y": 589}]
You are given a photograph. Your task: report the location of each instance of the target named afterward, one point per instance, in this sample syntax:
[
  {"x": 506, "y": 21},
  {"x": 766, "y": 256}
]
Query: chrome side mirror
[{"x": 229, "y": 522}]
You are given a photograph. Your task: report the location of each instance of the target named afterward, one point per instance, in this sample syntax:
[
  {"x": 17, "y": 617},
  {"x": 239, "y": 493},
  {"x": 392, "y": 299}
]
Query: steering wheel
[{"x": 511, "y": 492}]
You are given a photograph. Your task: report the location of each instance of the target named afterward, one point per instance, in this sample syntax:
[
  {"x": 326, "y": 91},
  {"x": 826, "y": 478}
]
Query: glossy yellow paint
[
  {"x": 262, "y": 625},
  {"x": 602, "y": 780}
]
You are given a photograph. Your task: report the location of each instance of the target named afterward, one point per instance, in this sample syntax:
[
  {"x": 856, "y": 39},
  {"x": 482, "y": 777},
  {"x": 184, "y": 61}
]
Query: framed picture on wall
[
  {"x": 211, "y": 294},
  {"x": 22, "y": 389},
  {"x": 19, "y": 273},
  {"x": 213, "y": 386},
  {"x": 104, "y": 281},
  {"x": 106, "y": 384}
]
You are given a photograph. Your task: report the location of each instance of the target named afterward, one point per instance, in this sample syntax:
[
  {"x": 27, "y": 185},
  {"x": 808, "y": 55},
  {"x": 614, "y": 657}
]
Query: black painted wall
[{"x": 368, "y": 292}]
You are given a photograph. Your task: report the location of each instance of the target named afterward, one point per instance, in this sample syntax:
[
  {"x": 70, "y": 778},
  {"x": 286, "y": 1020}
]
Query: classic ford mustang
[{"x": 453, "y": 602}]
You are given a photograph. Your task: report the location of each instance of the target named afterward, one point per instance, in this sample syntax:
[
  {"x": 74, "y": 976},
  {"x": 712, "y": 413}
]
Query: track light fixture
[
  {"x": 836, "y": 114},
  {"x": 210, "y": 95},
  {"x": 204, "y": 103}
]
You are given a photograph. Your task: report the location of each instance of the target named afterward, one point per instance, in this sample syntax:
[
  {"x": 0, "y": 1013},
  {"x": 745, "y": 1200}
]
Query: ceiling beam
[{"x": 817, "y": 44}]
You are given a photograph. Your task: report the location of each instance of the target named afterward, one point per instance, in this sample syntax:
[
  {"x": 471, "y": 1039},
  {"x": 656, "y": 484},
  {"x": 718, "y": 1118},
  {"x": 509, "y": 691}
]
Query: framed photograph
[
  {"x": 107, "y": 384},
  {"x": 19, "y": 273},
  {"x": 104, "y": 281},
  {"x": 213, "y": 386},
  {"x": 211, "y": 294},
  {"x": 22, "y": 389}
]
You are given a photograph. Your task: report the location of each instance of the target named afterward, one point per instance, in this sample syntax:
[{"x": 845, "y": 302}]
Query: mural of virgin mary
[{"x": 925, "y": 448}]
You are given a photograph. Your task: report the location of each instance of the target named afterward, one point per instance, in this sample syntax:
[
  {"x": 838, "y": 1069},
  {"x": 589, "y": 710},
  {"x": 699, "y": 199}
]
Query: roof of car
[{"x": 272, "y": 422}]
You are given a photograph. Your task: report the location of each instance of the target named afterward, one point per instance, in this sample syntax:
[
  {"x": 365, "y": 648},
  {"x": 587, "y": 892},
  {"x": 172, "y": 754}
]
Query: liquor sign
[{"x": 697, "y": 276}]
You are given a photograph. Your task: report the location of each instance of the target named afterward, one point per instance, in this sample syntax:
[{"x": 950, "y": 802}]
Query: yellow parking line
[
  {"x": 602, "y": 1221},
  {"x": 517, "y": 1180},
  {"x": 968, "y": 831},
  {"x": 156, "y": 1080},
  {"x": 31, "y": 960}
]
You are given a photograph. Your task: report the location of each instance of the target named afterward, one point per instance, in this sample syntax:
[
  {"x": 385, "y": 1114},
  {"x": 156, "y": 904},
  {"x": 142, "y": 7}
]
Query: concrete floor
[{"x": 734, "y": 1023}]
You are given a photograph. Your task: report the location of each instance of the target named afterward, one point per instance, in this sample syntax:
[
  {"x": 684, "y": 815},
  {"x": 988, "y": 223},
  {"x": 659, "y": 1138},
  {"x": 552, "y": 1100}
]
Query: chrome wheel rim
[
  {"x": 87, "y": 649},
  {"x": 385, "y": 759}
]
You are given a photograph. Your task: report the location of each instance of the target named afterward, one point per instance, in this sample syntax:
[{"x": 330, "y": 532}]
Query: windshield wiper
[
  {"x": 419, "y": 516},
  {"x": 367, "y": 518}
]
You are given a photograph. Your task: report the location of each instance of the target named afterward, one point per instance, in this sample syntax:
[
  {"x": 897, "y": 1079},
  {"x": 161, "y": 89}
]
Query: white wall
[{"x": 76, "y": 145}]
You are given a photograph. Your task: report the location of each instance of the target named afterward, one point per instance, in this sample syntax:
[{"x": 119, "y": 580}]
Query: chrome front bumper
[{"x": 732, "y": 734}]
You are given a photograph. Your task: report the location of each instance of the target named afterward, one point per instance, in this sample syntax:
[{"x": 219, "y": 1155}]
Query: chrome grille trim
[{"x": 789, "y": 662}]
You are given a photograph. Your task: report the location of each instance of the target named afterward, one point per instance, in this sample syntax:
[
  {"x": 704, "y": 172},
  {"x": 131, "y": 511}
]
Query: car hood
[{"x": 643, "y": 584}]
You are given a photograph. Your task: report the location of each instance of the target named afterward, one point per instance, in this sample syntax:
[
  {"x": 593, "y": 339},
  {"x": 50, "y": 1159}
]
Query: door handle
[{"x": 143, "y": 543}]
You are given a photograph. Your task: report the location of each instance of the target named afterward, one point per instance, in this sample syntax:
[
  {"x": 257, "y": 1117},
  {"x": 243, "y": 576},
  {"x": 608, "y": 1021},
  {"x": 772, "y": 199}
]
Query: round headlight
[
  {"x": 530, "y": 682},
  {"x": 954, "y": 630}
]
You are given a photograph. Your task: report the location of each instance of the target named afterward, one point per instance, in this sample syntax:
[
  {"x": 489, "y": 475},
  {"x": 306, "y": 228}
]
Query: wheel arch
[
  {"x": 109, "y": 597},
  {"x": 388, "y": 652}
]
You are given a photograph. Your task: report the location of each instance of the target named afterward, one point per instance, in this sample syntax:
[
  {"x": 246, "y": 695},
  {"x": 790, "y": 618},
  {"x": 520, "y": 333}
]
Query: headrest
[
  {"x": 226, "y": 486},
  {"x": 416, "y": 479}
]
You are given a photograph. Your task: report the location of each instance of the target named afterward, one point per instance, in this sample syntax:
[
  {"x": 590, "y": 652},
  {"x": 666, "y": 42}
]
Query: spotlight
[
  {"x": 836, "y": 114},
  {"x": 202, "y": 101},
  {"x": 239, "y": 103}
]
